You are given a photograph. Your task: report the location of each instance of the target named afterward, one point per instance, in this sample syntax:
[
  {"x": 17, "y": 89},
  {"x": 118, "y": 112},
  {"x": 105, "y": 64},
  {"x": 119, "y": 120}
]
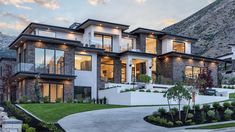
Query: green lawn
[
  {"x": 216, "y": 126},
  {"x": 232, "y": 95},
  {"x": 54, "y": 112}
]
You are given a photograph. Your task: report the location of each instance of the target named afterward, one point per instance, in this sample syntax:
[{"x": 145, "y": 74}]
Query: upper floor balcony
[{"x": 48, "y": 71}]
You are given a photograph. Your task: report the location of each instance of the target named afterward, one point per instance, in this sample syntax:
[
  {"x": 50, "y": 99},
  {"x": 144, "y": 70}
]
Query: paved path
[{"x": 111, "y": 120}]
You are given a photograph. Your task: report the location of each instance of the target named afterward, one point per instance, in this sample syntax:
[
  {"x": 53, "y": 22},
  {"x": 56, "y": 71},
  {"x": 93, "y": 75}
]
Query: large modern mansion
[{"x": 77, "y": 61}]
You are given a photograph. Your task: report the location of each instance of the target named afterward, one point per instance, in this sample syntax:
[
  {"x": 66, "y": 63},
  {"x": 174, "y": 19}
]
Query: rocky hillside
[
  {"x": 213, "y": 25},
  {"x": 5, "y": 40}
]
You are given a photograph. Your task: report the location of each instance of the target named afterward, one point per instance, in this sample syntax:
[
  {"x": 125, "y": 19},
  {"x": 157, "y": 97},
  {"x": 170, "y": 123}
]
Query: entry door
[{"x": 138, "y": 69}]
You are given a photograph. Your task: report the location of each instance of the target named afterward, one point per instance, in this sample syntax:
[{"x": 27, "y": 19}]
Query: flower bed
[{"x": 195, "y": 115}]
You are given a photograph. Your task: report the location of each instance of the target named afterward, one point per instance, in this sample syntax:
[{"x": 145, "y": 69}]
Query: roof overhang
[
  {"x": 178, "y": 37},
  {"x": 27, "y": 37},
  {"x": 190, "y": 56},
  {"x": 147, "y": 31},
  {"x": 22, "y": 75},
  {"x": 102, "y": 23},
  {"x": 125, "y": 53}
]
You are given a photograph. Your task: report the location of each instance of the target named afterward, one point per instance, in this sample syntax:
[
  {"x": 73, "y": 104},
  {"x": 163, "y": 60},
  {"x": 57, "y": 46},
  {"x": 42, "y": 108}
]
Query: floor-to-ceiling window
[
  {"x": 151, "y": 45},
  {"x": 179, "y": 46},
  {"x": 82, "y": 93},
  {"x": 53, "y": 91},
  {"x": 154, "y": 70},
  {"x": 49, "y": 61},
  {"x": 107, "y": 68},
  {"x": 126, "y": 44},
  {"x": 104, "y": 41},
  {"x": 123, "y": 71}
]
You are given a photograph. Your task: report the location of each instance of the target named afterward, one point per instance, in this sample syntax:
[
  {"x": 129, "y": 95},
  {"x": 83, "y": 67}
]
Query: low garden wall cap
[
  {"x": 1, "y": 109},
  {"x": 12, "y": 121}
]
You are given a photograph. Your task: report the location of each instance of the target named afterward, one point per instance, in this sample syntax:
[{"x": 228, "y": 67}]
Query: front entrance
[{"x": 138, "y": 68}]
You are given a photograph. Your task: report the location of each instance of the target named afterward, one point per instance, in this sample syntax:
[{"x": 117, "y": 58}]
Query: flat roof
[
  {"x": 164, "y": 34},
  {"x": 102, "y": 23},
  {"x": 177, "y": 54}
]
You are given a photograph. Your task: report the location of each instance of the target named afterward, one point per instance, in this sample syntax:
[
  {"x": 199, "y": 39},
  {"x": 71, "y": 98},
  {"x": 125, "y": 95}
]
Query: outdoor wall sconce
[
  {"x": 131, "y": 65},
  {"x": 150, "y": 67}
]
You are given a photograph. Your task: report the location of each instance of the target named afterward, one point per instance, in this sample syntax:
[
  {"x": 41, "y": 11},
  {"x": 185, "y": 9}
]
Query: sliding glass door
[{"x": 53, "y": 91}]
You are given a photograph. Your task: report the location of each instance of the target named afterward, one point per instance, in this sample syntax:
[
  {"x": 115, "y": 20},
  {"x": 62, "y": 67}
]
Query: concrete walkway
[
  {"x": 111, "y": 120},
  {"x": 121, "y": 120}
]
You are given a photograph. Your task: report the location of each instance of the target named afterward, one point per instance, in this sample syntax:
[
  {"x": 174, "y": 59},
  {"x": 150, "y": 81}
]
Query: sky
[{"x": 15, "y": 15}]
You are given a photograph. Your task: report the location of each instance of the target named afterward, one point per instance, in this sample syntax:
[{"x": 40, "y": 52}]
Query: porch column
[
  {"x": 128, "y": 69},
  {"x": 149, "y": 68}
]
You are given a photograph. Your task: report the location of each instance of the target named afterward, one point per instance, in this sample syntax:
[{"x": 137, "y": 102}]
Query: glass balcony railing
[{"x": 29, "y": 67}]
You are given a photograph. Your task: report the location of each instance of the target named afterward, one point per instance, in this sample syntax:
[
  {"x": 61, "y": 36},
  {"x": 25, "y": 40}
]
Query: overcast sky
[{"x": 15, "y": 15}]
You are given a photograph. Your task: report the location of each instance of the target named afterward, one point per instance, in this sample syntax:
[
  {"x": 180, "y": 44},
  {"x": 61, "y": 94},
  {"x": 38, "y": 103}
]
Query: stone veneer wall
[
  {"x": 179, "y": 65},
  {"x": 233, "y": 65},
  {"x": 164, "y": 68}
]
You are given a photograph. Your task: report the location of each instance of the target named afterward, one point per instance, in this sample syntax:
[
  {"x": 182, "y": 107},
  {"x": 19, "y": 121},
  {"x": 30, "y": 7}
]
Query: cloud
[
  {"x": 50, "y": 4},
  {"x": 18, "y": 22},
  {"x": 62, "y": 19},
  {"x": 98, "y": 2},
  {"x": 168, "y": 22},
  {"x": 141, "y": 1}
]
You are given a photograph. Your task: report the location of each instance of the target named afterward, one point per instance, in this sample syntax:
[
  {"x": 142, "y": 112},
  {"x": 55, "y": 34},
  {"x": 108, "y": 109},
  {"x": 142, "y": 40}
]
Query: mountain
[
  {"x": 214, "y": 26},
  {"x": 5, "y": 40}
]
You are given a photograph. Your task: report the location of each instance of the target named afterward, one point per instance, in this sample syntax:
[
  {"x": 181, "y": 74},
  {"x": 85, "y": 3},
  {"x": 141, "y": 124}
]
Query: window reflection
[
  {"x": 178, "y": 46},
  {"x": 151, "y": 45},
  {"x": 83, "y": 62},
  {"x": 107, "y": 68},
  {"x": 104, "y": 41}
]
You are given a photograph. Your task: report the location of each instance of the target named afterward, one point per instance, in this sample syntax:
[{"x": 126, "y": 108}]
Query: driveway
[{"x": 111, "y": 120}]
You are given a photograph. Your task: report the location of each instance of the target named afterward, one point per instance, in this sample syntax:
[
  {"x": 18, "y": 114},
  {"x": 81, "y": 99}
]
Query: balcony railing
[{"x": 29, "y": 67}]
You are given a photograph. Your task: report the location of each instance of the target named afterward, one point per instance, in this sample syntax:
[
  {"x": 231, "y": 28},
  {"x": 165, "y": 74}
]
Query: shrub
[
  {"x": 58, "y": 100},
  {"x": 174, "y": 110},
  {"x": 186, "y": 107},
  {"x": 145, "y": 78},
  {"x": 155, "y": 91},
  {"x": 46, "y": 99},
  {"x": 216, "y": 105},
  {"x": 206, "y": 107},
  {"x": 226, "y": 105},
  {"x": 179, "y": 123},
  {"x": 190, "y": 115},
  {"x": 202, "y": 117},
  {"x": 170, "y": 124},
  {"x": 156, "y": 114},
  {"x": 25, "y": 126},
  {"x": 196, "y": 107},
  {"x": 31, "y": 129},
  {"x": 69, "y": 100},
  {"x": 227, "y": 114},
  {"x": 148, "y": 90},
  {"x": 217, "y": 115},
  {"x": 162, "y": 111},
  {"x": 163, "y": 122},
  {"x": 141, "y": 90},
  {"x": 233, "y": 104},
  {"x": 188, "y": 122},
  {"x": 23, "y": 99},
  {"x": 211, "y": 114}
]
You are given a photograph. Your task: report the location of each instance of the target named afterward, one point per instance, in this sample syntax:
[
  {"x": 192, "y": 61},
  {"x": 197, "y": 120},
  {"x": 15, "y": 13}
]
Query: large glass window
[
  {"x": 83, "y": 62},
  {"x": 49, "y": 61},
  {"x": 107, "y": 69},
  {"x": 126, "y": 44},
  {"x": 39, "y": 59},
  {"x": 105, "y": 41},
  {"x": 151, "y": 45},
  {"x": 82, "y": 93},
  {"x": 46, "y": 33},
  {"x": 193, "y": 71},
  {"x": 53, "y": 91},
  {"x": 179, "y": 46}
]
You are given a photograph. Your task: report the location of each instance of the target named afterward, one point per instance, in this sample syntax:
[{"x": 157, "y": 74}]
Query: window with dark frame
[
  {"x": 83, "y": 62},
  {"x": 53, "y": 91},
  {"x": 106, "y": 41},
  {"x": 192, "y": 72},
  {"x": 49, "y": 61},
  {"x": 179, "y": 46},
  {"x": 82, "y": 93}
]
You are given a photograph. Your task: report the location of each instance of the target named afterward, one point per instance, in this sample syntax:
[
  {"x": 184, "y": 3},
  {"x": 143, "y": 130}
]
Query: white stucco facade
[
  {"x": 167, "y": 46},
  {"x": 88, "y": 78}
]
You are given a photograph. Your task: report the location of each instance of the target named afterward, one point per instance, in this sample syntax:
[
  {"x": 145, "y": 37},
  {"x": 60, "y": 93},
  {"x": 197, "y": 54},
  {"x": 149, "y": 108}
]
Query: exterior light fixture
[
  {"x": 117, "y": 27},
  {"x": 100, "y": 24},
  {"x": 21, "y": 41},
  {"x": 150, "y": 67},
  {"x": 39, "y": 40}
]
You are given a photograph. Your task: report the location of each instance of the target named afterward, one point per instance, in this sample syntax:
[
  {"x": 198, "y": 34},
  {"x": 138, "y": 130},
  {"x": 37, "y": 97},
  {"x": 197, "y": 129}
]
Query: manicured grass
[
  {"x": 54, "y": 112},
  {"x": 216, "y": 126},
  {"x": 232, "y": 95}
]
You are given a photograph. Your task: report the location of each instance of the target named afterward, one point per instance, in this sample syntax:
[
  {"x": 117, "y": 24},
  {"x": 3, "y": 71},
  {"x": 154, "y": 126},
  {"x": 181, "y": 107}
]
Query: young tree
[
  {"x": 178, "y": 92},
  {"x": 8, "y": 81},
  {"x": 204, "y": 81}
]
